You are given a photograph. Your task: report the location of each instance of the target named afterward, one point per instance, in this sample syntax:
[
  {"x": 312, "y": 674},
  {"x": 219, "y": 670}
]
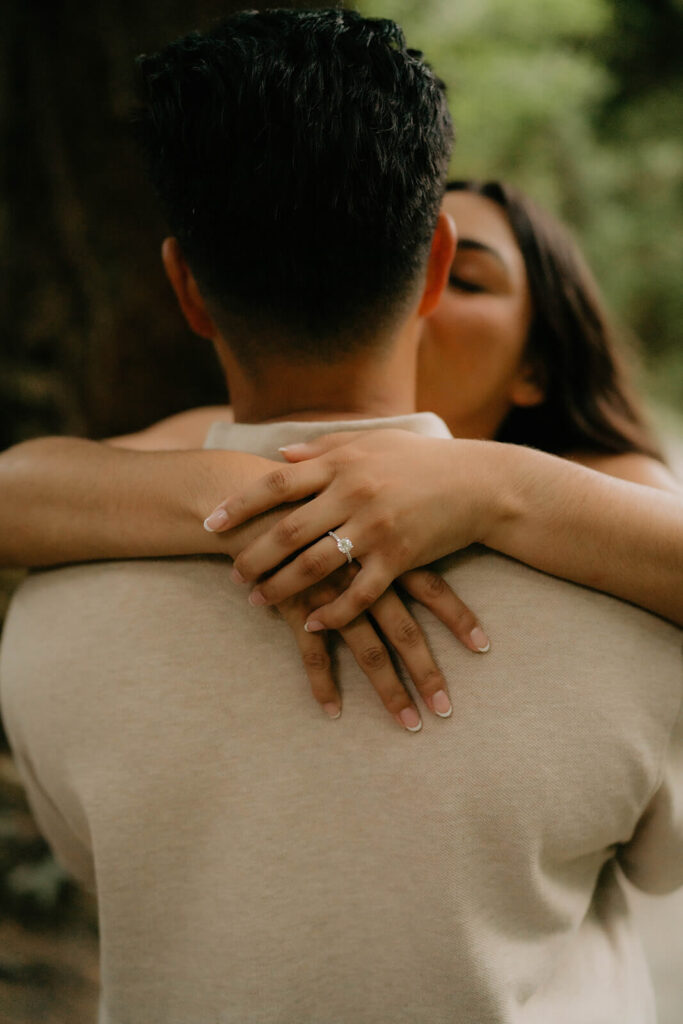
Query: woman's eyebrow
[{"x": 471, "y": 243}]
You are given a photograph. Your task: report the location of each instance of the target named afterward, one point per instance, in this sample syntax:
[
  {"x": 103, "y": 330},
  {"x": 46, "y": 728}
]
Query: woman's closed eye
[
  {"x": 478, "y": 269},
  {"x": 463, "y": 285}
]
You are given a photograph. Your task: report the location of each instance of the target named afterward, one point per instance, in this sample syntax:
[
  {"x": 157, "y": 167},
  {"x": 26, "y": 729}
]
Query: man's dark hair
[{"x": 300, "y": 157}]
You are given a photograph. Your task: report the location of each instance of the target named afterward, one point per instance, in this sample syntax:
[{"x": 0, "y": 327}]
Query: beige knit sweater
[{"x": 257, "y": 863}]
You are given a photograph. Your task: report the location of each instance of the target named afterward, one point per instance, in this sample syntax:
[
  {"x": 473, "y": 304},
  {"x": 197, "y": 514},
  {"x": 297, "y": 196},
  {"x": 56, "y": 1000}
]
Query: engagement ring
[{"x": 344, "y": 545}]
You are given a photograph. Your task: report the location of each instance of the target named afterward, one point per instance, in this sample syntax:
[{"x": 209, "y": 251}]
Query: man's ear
[
  {"x": 186, "y": 289},
  {"x": 439, "y": 265}
]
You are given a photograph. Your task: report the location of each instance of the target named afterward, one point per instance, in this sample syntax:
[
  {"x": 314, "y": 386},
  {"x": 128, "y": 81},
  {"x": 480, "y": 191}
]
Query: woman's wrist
[
  {"x": 199, "y": 479},
  {"x": 520, "y": 489},
  {"x": 487, "y": 475}
]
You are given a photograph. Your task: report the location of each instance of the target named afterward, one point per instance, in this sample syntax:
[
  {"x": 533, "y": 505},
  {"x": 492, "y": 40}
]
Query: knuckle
[
  {"x": 367, "y": 597},
  {"x": 278, "y": 481},
  {"x": 385, "y": 521},
  {"x": 434, "y": 585},
  {"x": 408, "y": 633},
  {"x": 288, "y": 531},
  {"x": 313, "y": 565},
  {"x": 363, "y": 490},
  {"x": 374, "y": 657},
  {"x": 316, "y": 660}
]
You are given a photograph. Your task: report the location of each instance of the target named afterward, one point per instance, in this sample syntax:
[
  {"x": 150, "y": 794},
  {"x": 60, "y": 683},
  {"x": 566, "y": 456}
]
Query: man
[{"x": 251, "y": 865}]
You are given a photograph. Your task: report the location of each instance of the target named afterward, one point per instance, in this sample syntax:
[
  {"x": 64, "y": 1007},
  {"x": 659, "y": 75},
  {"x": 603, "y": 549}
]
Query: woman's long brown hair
[{"x": 589, "y": 404}]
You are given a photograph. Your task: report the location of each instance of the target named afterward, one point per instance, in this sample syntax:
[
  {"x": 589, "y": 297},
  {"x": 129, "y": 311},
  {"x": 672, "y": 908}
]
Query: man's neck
[{"x": 359, "y": 388}]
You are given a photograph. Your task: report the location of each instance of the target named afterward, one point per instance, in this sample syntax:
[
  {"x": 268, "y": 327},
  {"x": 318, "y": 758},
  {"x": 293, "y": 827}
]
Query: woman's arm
[
  {"x": 71, "y": 500},
  {"x": 638, "y": 469},
  {"x": 597, "y": 528},
  {"x": 66, "y": 499},
  {"x": 406, "y": 500}
]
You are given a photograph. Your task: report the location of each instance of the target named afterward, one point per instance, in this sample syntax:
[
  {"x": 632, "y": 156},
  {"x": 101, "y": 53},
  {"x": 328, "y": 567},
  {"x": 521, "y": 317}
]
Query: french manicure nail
[
  {"x": 313, "y": 626},
  {"x": 256, "y": 598},
  {"x": 291, "y": 447},
  {"x": 237, "y": 576},
  {"x": 410, "y": 720},
  {"x": 215, "y": 520},
  {"x": 480, "y": 640},
  {"x": 441, "y": 705},
  {"x": 333, "y": 710}
]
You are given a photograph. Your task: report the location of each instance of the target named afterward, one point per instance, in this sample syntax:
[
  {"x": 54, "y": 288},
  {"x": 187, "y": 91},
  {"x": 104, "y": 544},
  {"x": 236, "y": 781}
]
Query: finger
[
  {"x": 367, "y": 588},
  {"x": 298, "y": 530},
  {"x": 290, "y": 483},
  {"x": 316, "y": 659},
  {"x": 374, "y": 660},
  {"x": 311, "y": 566},
  {"x": 431, "y": 590},
  {"x": 405, "y": 636},
  {"x": 320, "y": 445}
]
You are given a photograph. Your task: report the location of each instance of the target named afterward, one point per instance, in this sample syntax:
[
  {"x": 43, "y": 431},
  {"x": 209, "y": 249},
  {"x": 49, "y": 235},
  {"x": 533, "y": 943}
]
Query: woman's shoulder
[
  {"x": 632, "y": 466},
  {"x": 184, "y": 430}
]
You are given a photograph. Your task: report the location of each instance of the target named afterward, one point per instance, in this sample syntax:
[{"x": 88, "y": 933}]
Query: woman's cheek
[
  {"x": 473, "y": 341},
  {"x": 467, "y": 358}
]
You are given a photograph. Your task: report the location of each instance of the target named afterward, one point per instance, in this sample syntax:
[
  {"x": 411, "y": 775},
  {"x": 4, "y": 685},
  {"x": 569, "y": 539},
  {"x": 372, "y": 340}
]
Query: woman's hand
[
  {"x": 402, "y": 499},
  {"x": 388, "y": 620}
]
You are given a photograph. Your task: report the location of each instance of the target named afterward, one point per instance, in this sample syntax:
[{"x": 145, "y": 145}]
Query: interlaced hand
[{"x": 400, "y": 498}]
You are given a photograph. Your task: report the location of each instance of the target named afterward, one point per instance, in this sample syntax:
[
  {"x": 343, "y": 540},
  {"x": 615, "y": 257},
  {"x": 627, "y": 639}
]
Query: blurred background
[{"x": 579, "y": 102}]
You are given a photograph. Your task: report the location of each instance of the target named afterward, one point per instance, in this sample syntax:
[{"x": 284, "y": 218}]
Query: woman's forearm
[
  {"x": 587, "y": 527},
  {"x": 66, "y": 499},
  {"x": 406, "y": 501}
]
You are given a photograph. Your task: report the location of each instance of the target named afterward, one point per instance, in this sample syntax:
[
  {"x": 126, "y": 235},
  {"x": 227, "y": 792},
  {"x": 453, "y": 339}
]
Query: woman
[
  {"x": 518, "y": 350},
  {"x": 523, "y": 331}
]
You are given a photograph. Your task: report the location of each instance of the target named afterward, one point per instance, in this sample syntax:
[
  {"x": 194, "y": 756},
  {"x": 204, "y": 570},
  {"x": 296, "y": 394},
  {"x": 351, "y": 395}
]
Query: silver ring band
[{"x": 343, "y": 543}]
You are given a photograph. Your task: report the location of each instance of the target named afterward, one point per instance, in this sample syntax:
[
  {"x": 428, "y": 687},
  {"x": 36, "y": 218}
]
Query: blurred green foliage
[{"x": 580, "y": 104}]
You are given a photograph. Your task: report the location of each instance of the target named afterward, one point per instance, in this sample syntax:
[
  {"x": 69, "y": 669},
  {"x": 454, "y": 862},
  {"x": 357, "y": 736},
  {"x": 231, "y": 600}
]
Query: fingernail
[
  {"x": 291, "y": 447},
  {"x": 237, "y": 576},
  {"x": 313, "y": 626},
  {"x": 480, "y": 640},
  {"x": 333, "y": 710},
  {"x": 215, "y": 520},
  {"x": 410, "y": 720},
  {"x": 441, "y": 705},
  {"x": 256, "y": 598}
]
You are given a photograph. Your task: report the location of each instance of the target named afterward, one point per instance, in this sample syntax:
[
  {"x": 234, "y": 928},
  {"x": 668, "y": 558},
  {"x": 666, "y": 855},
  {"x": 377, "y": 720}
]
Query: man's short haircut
[{"x": 300, "y": 157}]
